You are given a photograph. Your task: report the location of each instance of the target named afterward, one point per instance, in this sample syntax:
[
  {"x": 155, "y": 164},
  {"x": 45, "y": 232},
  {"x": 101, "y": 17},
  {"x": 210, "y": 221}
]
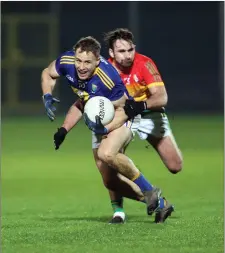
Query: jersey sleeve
[
  {"x": 58, "y": 66},
  {"x": 151, "y": 74},
  {"x": 63, "y": 61}
]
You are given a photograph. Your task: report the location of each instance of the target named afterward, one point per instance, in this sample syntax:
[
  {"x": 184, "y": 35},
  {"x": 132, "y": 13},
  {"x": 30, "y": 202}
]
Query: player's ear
[
  {"x": 111, "y": 54},
  {"x": 98, "y": 61}
]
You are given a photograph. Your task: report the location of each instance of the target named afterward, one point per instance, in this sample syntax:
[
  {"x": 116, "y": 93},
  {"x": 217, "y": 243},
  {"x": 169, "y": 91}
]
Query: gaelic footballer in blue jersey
[{"x": 84, "y": 67}]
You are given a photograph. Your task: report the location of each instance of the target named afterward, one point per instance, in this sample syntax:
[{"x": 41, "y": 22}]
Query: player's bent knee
[
  {"x": 175, "y": 166},
  {"x": 106, "y": 156}
]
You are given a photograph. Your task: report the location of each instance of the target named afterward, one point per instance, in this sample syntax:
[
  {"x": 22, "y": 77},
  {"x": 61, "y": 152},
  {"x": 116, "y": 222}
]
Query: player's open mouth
[{"x": 82, "y": 73}]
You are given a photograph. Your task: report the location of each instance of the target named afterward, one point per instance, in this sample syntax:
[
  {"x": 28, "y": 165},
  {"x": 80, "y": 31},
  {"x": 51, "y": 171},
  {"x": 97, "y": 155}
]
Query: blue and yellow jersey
[{"x": 104, "y": 82}]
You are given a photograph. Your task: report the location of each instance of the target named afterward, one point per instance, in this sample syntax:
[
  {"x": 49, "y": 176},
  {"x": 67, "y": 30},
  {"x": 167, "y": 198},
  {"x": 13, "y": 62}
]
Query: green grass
[{"x": 55, "y": 201}]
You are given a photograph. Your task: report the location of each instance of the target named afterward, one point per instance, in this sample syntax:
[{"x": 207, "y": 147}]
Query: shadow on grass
[
  {"x": 43, "y": 221},
  {"x": 103, "y": 219}
]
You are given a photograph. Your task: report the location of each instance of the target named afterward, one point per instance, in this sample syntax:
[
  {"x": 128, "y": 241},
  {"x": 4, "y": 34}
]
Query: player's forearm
[
  {"x": 47, "y": 82},
  {"x": 157, "y": 101},
  {"x": 119, "y": 119},
  {"x": 72, "y": 118}
]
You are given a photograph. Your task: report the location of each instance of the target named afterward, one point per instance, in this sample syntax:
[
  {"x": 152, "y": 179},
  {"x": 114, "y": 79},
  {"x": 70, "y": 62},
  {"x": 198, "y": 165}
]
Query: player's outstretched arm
[
  {"x": 48, "y": 78},
  {"x": 48, "y": 81},
  {"x": 72, "y": 118}
]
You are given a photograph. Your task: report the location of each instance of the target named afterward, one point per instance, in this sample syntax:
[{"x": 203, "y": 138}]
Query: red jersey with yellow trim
[{"x": 142, "y": 75}]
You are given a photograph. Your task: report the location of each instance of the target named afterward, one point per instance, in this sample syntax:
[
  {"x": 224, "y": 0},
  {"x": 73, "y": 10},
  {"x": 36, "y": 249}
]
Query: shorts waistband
[{"x": 160, "y": 110}]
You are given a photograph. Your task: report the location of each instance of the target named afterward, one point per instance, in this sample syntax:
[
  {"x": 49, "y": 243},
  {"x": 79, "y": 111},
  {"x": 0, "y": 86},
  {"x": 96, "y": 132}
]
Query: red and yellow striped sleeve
[{"x": 151, "y": 74}]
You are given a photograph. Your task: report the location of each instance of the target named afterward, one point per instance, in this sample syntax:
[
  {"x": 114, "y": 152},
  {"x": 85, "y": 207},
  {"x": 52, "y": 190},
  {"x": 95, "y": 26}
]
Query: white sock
[{"x": 120, "y": 214}]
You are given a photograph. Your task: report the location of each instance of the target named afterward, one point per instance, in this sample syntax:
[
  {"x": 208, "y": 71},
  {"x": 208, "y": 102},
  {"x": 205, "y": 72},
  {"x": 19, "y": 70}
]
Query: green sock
[{"x": 117, "y": 205}]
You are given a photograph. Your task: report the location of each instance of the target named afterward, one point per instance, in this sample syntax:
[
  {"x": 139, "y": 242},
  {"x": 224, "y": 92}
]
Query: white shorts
[
  {"x": 154, "y": 123},
  {"x": 133, "y": 125}
]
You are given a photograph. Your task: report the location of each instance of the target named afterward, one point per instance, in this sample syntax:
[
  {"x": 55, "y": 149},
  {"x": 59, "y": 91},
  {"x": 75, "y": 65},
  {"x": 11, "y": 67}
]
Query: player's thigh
[
  {"x": 168, "y": 151},
  {"x": 115, "y": 142}
]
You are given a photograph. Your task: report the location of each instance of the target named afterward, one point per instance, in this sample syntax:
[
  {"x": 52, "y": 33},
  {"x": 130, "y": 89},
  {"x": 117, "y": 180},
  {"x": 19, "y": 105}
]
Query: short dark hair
[
  {"x": 118, "y": 34},
  {"x": 88, "y": 44}
]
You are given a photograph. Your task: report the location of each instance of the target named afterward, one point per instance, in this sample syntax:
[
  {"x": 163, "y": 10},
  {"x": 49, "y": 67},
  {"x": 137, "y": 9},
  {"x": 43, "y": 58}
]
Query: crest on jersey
[
  {"x": 93, "y": 88},
  {"x": 127, "y": 79}
]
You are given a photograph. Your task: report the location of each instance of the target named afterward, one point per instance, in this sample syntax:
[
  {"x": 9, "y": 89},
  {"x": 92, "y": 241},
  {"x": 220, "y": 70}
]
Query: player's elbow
[
  {"x": 164, "y": 100},
  {"x": 175, "y": 166},
  {"x": 45, "y": 75},
  {"x": 44, "y": 72}
]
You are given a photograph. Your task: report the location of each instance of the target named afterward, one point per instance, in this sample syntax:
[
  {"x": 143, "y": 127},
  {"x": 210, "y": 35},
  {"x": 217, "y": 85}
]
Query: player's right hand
[
  {"x": 133, "y": 108},
  {"x": 48, "y": 101},
  {"x": 96, "y": 126},
  {"x": 59, "y": 137}
]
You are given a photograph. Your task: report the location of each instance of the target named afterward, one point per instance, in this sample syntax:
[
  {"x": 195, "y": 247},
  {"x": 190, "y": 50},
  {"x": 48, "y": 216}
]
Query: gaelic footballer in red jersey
[{"x": 144, "y": 82}]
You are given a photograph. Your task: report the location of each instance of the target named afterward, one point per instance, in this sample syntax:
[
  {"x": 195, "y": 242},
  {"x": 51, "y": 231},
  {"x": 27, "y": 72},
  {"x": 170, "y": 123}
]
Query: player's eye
[
  {"x": 121, "y": 51},
  {"x": 131, "y": 49}
]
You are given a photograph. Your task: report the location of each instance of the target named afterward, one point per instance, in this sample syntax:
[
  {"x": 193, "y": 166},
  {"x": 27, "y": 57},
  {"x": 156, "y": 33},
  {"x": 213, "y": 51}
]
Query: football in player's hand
[{"x": 100, "y": 106}]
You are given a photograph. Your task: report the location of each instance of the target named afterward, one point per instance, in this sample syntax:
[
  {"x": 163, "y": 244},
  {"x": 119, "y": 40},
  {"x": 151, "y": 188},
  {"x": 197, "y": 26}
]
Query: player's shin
[
  {"x": 129, "y": 189},
  {"x": 127, "y": 168}
]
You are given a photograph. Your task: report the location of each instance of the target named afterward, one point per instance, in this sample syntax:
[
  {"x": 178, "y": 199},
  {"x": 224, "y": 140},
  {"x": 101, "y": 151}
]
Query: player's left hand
[
  {"x": 48, "y": 101},
  {"x": 96, "y": 126},
  {"x": 133, "y": 108}
]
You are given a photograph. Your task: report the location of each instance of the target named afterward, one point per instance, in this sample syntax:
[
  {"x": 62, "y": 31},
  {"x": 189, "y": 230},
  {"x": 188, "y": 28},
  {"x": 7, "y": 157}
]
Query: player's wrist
[
  {"x": 105, "y": 131},
  {"x": 68, "y": 126},
  {"x": 141, "y": 106},
  {"x": 47, "y": 95},
  {"x": 62, "y": 130},
  {"x": 47, "y": 98}
]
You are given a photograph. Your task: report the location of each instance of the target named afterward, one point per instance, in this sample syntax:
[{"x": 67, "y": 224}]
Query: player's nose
[
  {"x": 128, "y": 56},
  {"x": 82, "y": 66}
]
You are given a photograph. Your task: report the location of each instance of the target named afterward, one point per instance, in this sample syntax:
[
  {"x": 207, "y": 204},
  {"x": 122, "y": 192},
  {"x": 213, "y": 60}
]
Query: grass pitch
[{"x": 54, "y": 201}]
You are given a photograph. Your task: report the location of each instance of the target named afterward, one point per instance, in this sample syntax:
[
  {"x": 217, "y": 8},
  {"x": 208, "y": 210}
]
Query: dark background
[{"x": 185, "y": 39}]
